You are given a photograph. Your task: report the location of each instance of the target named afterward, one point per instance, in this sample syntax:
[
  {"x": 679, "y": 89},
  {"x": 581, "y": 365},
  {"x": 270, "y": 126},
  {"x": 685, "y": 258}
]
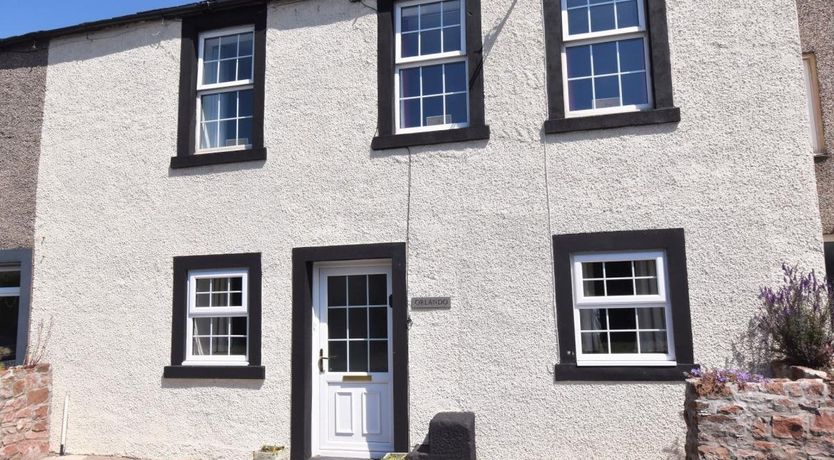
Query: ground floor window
[{"x": 15, "y": 279}]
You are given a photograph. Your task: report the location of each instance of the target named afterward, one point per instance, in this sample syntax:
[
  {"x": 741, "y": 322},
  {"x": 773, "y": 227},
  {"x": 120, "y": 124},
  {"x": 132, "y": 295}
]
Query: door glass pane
[
  {"x": 336, "y": 290},
  {"x": 9, "y": 307},
  {"x": 357, "y": 290},
  {"x": 378, "y": 290},
  {"x": 358, "y": 356},
  {"x": 378, "y": 322},
  {"x": 9, "y": 278},
  {"x": 358, "y": 323},
  {"x": 379, "y": 356},
  {"x": 338, "y": 356},
  {"x": 337, "y": 323}
]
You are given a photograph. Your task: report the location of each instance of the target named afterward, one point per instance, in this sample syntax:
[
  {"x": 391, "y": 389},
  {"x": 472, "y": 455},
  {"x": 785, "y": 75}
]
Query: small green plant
[{"x": 797, "y": 319}]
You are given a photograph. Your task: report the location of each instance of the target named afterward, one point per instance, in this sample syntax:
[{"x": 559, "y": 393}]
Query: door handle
[{"x": 321, "y": 359}]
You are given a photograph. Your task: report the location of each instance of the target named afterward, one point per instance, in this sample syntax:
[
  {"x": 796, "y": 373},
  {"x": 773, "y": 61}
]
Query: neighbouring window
[
  {"x": 621, "y": 309},
  {"x": 222, "y": 67},
  {"x": 216, "y": 330},
  {"x": 622, "y": 306},
  {"x": 224, "y": 89},
  {"x": 814, "y": 107},
  {"x": 431, "y": 75},
  {"x": 607, "y": 64},
  {"x": 9, "y": 311}
]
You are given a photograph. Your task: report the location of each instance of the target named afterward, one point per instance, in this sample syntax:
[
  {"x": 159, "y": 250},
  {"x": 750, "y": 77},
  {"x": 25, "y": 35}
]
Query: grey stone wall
[
  {"x": 816, "y": 28},
  {"x": 22, "y": 88}
]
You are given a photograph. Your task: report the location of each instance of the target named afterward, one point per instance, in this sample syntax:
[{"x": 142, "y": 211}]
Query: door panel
[{"x": 355, "y": 405}]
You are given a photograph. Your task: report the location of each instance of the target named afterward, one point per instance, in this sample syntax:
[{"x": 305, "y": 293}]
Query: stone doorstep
[{"x": 88, "y": 457}]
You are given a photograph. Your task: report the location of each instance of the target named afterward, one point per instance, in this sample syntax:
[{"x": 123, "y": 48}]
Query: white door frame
[{"x": 318, "y": 336}]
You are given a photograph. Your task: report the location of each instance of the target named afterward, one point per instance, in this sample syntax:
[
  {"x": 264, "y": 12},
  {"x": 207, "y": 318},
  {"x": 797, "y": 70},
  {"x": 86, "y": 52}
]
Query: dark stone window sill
[
  {"x": 572, "y": 372},
  {"x": 214, "y": 372},
  {"x": 614, "y": 120},
  {"x": 205, "y": 159},
  {"x": 394, "y": 141}
]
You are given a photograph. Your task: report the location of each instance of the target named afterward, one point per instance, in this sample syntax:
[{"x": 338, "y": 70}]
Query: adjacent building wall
[
  {"x": 478, "y": 218},
  {"x": 22, "y": 87},
  {"x": 816, "y": 27}
]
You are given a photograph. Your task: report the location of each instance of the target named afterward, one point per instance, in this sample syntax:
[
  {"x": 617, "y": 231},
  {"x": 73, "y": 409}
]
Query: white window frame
[
  {"x": 224, "y": 87},
  {"x": 661, "y": 299},
  {"x": 11, "y": 291},
  {"x": 449, "y": 57},
  {"x": 812, "y": 99},
  {"x": 212, "y": 312},
  {"x": 593, "y": 38}
]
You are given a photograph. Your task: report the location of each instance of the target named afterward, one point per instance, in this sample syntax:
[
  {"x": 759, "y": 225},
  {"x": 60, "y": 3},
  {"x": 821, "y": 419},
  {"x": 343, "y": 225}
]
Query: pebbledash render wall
[
  {"x": 815, "y": 19},
  {"x": 22, "y": 88},
  {"x": 478, "y": 218}
]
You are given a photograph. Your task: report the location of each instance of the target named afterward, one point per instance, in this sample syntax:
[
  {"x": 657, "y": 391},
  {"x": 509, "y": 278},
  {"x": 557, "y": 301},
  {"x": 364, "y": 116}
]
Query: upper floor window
[
  {"x": 222, "y": 67},
  {"x": 224, "y": 89},
  {"x": 814, "y": 107},
  {"x": 607, "y": 64},
  {"x": 430, "y": 76}
]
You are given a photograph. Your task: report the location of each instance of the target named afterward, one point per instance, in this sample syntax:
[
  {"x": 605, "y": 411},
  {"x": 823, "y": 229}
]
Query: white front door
[{"x": 353, "y": 401}]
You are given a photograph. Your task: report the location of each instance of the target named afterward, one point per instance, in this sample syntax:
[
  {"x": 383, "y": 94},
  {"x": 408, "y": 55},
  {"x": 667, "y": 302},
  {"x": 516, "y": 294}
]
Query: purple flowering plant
[
  {"x": 797, "y": 318},
  {"x": 717, "y": 380}
]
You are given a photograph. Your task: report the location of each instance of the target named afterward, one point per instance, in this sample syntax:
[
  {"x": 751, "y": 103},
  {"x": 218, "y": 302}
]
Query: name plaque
[{"x": 431, "y": 303}]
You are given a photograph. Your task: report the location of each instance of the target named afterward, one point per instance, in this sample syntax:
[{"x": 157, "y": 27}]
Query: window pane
[
  {"x": 410, "y": 82},
  {"x": 337, "y": 323},
  {"x": 572, "y": 3},
  {"x": 410, "y": 44},
  {"x": 337, "y": 355},
  {"x": 219, "y": 326},
  {"x": 451, "y": 39},
  {"x": 228, "y": 133},
  {"x": 378, "y": 289},
  {"x": 456, "y": 108},
  {"x": 651, "y": 318},
  {"x": 228, "y": 70},
  {"x": 433, "y": 111},
  {"x": 201, "y": 346},
  {"x": 212, "y": 49},
  {"x": 239, "y": 325},
  {"x": 592, "y": 319},
  {"x": 202, "y": 326},
  {"x": 455, "y": 77},
  {"x": 409, "y": 19},
  {"x": 228, "y": 105},
  {"x": 410, "y": 113},
  {"x": 245, "y": 103},
  {"x": 578, "y": 21},
  {"x": 620, "y": 287},
  {"x": 602, "y": 17},
  {"x": 238, "y": 346},
  {"x": 203, "y": 300},
  {"x": 617, "y": 269},
  {"x": 645, "y": 268},
  {"x": 634, "y": 89},
  {"x": 579, "y": 61},
  {"x": 594, "y": 342},
  {"x": 336, "y": 290},
  {"x": 357, "y": 290},
  {"x": 379, "y": 356},
  {"x": 358, "y": 357},
  {"x": 594, "y": 288},
  {"x": 433, "y": 79},
  {"x": 246, "y": 44},
  {"x": 581, "y": 94},
  {"x": 430, "y": 42},
  {"x": 358, "y": 323},
  {"x": 236, "y": 299},
  {"x": 9, "y": 278},
  {"x": 203, "y": 285},
  {"x": 653, "y": 342},
  {"x": 244, "y": 131},
  {"x": 627, "y": 14},
  {"x": 646, "y": 286},
  {"x": 244, "y": 69},
  {"x": 591, "y": 270},
  {"x": 607, "y": 92},
  {"x": 228, "y": 46},
  {"x": 209, "y": 73},
  {"x": 451, "y": 13},
  {"x": 605, "y": 58},
  {"x": 219, "y": 300},
  {"x": 632, "y": 55},
  {"x": 209, "y": 106},
  {"x": 219, "y": 346},
  {"x": 378, "y": 320},
  {"x": 622, "y": 318},
  {"x": 9, "y": 310},
  {"x": 429, "y": 15},
  {"x": 623, "y": 342}
]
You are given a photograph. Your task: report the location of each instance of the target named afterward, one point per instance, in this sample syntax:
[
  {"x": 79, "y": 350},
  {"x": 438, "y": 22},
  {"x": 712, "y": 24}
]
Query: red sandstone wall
[{"x": 24, "y": 412}]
